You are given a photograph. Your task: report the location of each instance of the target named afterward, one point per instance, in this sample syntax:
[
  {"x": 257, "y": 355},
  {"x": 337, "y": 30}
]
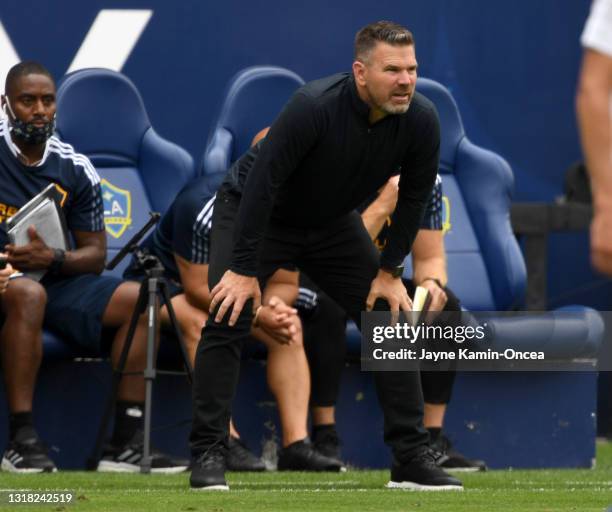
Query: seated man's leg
[
  {"x": 77, "y": 309},
  {"x": 289, "y": 380},
  {"x": 126, "y": 443},
  {"x": 325, "y": 342},
  {"x": 22, "y": 312},
  {"x": 343, "y": 261}
]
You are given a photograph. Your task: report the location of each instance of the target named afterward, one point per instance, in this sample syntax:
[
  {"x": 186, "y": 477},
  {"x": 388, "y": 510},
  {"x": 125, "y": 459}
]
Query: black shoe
[
  {"x": 301, "y": 456},
  {"x": 454, "y": 460},
  {"x": 240, "y": 458},
  {"x": 327, "y": 443},
  {"x": 423, "y": 473},
  {"x": 128, "y": 457},
  {"x": 208, "y": 473},
  {"x": 26, "y": 453}
]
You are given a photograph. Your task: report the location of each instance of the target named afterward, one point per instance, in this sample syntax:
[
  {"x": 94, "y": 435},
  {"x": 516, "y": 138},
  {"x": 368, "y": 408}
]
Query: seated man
[
  {"x": 181, "y": 242},
  {"x": 72, "y": 299},
  {"x": 324, "y": 329}
]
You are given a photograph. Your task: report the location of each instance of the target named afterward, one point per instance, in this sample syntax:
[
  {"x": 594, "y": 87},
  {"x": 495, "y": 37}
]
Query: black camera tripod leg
[{"x": 150, "y": 372}]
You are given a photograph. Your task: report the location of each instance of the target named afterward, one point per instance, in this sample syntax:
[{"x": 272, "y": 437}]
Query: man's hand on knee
[
  {"x": 232, "y": 293},
  {"x": 385, "y": 286}
]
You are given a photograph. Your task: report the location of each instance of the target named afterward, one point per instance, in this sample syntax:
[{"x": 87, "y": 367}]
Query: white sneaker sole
[
  {"x": 8, "y": 466},
  {"x": 413, "y": 486},
  {"x": 211, "y": 488},
  {"x": 106, "y": 466}
]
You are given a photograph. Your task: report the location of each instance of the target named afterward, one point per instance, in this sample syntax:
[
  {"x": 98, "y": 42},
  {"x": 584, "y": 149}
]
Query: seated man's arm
[
  {"x": 381, "y": 209},
  {"x": 284, "y": 285},
  {"x": 428, "y": 252},
  {"x": 428, "y": 256},
  {"x": 88, "y": 256},
  {"x": 194, "y": 278}
]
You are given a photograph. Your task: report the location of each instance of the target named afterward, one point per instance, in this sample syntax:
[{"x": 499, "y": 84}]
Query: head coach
[{"x": 292, "y": 205}]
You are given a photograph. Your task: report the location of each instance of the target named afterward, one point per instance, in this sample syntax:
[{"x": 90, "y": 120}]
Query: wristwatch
[
  {"x": 395, "y": 272},
  {"x": 59, "y": 255}
]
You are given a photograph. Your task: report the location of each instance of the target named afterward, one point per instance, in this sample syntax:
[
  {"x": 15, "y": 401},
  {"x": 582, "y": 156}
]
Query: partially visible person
[
  {"x": 181, "y": 242},
  {"x": 72, "y": 299},
  {"x": 594, "y": 107}
]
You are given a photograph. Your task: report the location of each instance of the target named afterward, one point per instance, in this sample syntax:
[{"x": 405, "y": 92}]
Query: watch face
[
  {"x": 398, "y": 271},
  {"x": 395, "y": 272}
]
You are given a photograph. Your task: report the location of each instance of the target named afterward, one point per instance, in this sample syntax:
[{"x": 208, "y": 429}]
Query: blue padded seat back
[
  {"x": 253, "y": 99},
  {"x": 101, "y": 113},
  {"x": 485, "y": 265}
]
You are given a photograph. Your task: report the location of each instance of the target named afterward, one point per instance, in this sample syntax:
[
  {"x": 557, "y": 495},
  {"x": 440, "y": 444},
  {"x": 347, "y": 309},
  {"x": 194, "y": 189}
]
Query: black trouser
[
  {"x": 341, "y": 259},
  {"x": 325, "y": 343}
]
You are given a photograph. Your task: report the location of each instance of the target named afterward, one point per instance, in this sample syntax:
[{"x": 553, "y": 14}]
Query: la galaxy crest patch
[{"x": 117, "y": 208}]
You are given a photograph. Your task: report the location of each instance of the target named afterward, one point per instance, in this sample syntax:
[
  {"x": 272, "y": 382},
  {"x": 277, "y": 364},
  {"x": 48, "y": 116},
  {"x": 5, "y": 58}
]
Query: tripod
[{"x": 153, "y": 288}]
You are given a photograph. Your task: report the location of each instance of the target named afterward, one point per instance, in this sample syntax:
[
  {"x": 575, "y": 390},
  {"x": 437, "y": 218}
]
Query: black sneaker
[
  {"x": 422, "y": 473},
  {"x": 240, "y": 458},
  {"x": 301, "y": 456},
  {"x": 327, "y": 443},
  {"x": 27, "y": 454},
  {"x": 454, "y": 460},
  {"x": 127, "y": 458},
  {"x": 208, "y": 473}
]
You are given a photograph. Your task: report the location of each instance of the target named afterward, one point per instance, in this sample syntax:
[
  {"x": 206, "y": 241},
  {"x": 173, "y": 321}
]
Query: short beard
[{"x": 389, "y": 108}]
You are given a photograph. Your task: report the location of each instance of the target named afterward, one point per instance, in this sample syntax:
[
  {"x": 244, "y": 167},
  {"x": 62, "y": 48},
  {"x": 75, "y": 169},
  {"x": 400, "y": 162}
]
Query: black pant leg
[
  {"x": 217, "y": 362},
  {"x": 324, "y": 330},
  {"x": 343, "y": 261}
]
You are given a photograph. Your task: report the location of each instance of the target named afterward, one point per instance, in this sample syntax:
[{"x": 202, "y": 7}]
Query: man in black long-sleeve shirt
[{"x": 292, "y": 203}]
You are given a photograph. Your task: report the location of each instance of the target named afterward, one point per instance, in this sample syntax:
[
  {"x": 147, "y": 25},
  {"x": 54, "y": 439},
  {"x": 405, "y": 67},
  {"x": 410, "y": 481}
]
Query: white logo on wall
[{"x": 108, "y": 44}]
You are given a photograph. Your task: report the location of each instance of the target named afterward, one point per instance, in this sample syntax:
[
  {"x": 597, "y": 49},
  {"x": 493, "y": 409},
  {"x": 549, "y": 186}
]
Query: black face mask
[{"x": 28, "y": 132}]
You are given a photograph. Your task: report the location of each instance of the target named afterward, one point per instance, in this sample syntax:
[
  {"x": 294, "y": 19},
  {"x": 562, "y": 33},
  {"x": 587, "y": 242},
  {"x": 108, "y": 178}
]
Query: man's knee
[
  {"x": 192, "y": 328},
  {"x": 121, "y": 305},
  {"x": 24, "y": 296}
]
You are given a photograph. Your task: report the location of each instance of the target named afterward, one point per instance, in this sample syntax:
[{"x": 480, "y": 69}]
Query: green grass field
[{"x": 543, "y": 490}]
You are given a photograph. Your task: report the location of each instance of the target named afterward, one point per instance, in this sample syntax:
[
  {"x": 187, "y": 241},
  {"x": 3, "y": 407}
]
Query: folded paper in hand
[
  {"x": 420, "y": 305},
  {"x": 45, "y": 214}
]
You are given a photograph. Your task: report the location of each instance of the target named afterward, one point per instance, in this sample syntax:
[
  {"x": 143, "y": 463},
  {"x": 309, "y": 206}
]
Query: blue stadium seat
[
  {"x": 253, "y": 99},
  {"x": 101, "y": 113}
]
